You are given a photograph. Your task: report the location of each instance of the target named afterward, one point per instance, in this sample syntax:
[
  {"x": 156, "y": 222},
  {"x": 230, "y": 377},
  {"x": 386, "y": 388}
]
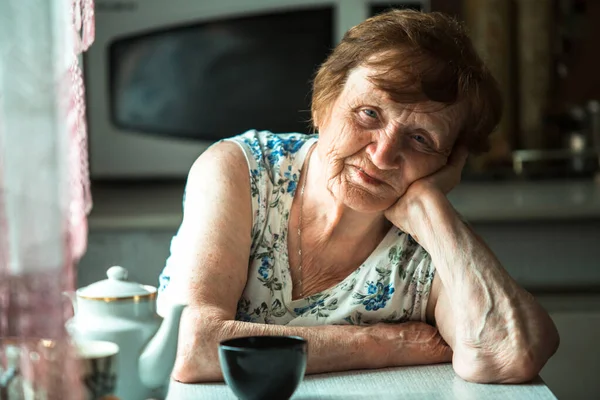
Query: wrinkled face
[{"x": 374, "y": 148}]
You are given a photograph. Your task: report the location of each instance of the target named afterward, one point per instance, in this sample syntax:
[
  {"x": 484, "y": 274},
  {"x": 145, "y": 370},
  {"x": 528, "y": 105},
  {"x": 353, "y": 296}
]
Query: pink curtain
[{"x": 44, "y": 191}]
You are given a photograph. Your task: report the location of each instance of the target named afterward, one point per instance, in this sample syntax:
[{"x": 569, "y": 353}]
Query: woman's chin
[{"x": 362, "y": 201}]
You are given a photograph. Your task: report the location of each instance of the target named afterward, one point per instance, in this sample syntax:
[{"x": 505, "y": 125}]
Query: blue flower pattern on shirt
[
  {"x": 378, "y": 296},
  {"x": 378, "y": 292},
  {"x": 292, "y": 180},
  {"x": 163, "y": 281},
  {"x": 311, "y": 306},
  {"x": 263, "y": 270},
  {"x": 390, "y": 286}
]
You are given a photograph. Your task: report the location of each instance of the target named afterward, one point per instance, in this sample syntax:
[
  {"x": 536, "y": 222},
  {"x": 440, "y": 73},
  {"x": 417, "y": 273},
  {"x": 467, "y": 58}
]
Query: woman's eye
[
  {"x": 420, "y": 138},
  {"x": 370, "y": 113}
]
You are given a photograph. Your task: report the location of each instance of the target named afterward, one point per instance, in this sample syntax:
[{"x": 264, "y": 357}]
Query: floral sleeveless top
[{"x": 391, "y": 285}]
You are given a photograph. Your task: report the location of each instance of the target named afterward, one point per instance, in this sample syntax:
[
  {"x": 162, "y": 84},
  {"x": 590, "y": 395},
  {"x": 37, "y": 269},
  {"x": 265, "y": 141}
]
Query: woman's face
[{"x": 374, "y": 148}]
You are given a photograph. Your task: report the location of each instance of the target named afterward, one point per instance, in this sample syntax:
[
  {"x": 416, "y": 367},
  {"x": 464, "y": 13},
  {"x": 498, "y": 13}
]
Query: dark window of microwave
[
  {"x": 217, "y": 79},
  {"x": 382, "y": 7}
]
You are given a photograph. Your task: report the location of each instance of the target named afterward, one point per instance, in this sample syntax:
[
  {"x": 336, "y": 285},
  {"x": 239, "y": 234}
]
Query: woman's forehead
[
  {"x": 359, "y": 84},
  {"x": 433, "y": 116}
]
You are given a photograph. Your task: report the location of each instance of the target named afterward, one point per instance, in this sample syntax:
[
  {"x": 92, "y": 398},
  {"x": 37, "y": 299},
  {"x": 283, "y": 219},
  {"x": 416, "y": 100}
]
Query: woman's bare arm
[
  {"x": 330, "y": 347},
  {"x": 212, "y": 275},
  {"x": 498, "y": 332}
]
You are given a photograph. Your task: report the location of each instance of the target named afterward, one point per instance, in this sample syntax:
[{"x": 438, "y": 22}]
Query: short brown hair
[{"x": 423, "y": 57}]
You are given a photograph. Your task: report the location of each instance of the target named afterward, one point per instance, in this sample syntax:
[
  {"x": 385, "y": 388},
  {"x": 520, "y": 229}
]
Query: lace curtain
[{"x": 44, "y": 190}]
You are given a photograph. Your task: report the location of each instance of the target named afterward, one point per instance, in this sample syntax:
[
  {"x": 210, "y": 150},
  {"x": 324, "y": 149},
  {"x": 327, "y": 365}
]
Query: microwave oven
[{"x": 166, "y": 79}]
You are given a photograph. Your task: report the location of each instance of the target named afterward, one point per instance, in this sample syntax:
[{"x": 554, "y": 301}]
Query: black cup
[{"x": 263, "y": 367}]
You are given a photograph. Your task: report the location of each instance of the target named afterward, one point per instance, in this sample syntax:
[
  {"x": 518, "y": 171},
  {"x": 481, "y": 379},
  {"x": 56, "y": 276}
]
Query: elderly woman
[{"x": 347, "y": 238}]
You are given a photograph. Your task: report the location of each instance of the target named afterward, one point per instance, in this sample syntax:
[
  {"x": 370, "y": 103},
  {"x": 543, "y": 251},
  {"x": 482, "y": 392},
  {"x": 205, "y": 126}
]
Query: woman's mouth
[{"x": 366, "y": 178}]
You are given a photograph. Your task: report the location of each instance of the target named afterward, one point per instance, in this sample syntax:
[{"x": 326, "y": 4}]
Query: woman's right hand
[{"x": 410, "y": 343}]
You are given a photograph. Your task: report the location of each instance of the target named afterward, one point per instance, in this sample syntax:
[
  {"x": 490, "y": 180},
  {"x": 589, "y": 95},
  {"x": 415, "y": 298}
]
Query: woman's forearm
[
  {"x": 495, "y": 320},
  {"x": 330, "y": 347}
]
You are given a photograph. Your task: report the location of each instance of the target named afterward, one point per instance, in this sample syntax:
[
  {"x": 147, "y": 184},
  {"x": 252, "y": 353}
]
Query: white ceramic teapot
[{"x": 124, "y": 312}]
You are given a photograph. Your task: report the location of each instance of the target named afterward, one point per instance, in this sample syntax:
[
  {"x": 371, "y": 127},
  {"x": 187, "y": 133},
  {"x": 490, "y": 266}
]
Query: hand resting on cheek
[{"x": 439, "y": 183}]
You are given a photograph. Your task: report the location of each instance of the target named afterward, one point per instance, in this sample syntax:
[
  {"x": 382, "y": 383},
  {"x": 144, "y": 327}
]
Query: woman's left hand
[{"x": 432, "y": 187}]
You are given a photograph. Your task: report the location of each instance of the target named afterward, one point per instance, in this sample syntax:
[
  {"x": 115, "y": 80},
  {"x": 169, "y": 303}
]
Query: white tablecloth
[{"x": 418, "y": 383}]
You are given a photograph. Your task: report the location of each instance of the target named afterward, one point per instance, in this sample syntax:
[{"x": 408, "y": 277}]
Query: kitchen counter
[
  {"x": 158, "y": 206},
  {"x": 418, "y": 382}
]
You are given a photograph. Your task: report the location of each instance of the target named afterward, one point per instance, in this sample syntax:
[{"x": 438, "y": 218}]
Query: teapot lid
[{"x": 116, "y": 287}]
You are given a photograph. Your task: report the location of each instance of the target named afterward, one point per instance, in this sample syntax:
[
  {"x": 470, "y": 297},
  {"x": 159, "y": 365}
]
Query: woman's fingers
[
  {"x": 441, "y": 352},
  {"x": 433, "y": 349},
  {"x": 416, "y": 343},
  {"x": 449, "y": 176}
]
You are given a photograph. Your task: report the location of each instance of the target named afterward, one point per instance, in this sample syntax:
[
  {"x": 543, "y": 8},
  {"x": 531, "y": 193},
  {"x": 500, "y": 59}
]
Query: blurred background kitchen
[{"x": 164, "y": 80}]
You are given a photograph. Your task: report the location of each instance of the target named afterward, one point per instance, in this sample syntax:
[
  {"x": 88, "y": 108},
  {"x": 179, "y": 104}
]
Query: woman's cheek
[{"x": 415, "y": 165}]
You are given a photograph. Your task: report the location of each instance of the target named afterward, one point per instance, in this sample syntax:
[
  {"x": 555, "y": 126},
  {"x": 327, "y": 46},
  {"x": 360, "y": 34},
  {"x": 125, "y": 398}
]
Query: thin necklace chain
[{"x": 300, "y": 227}]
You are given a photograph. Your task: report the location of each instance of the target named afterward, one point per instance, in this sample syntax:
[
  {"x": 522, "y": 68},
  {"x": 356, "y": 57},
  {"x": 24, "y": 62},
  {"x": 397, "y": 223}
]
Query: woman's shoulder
[
  {"x": 286, "y": 143},
  {"x": 221, "y": 162},
  {"x": 273, "y": 153},
  {"x": 270, "y": 148}
]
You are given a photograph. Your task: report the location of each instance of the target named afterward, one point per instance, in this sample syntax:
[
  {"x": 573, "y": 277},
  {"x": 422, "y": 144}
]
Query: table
[{"x": 406, "y": 383}]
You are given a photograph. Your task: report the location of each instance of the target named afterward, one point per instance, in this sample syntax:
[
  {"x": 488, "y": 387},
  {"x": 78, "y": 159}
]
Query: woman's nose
[{"x": 385, "y": 152}]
